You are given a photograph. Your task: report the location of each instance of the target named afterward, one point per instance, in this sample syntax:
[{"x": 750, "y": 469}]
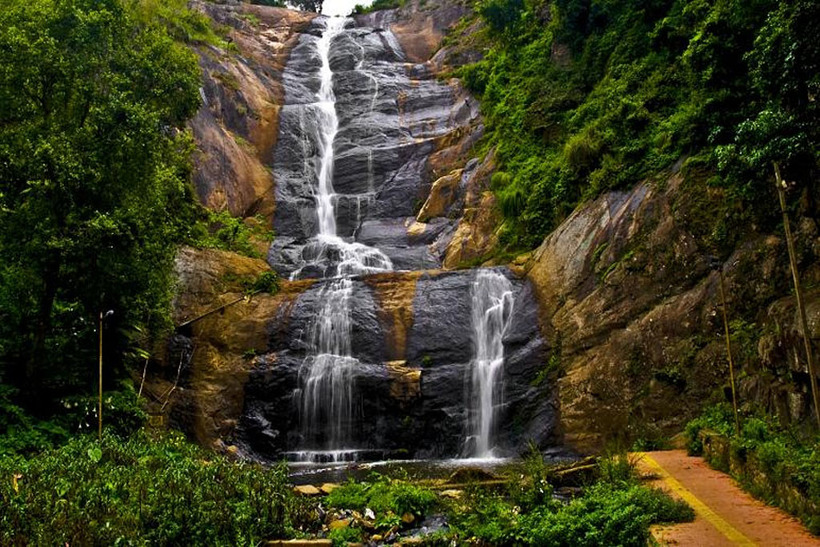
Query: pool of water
[{"x": 318, "y": 473}]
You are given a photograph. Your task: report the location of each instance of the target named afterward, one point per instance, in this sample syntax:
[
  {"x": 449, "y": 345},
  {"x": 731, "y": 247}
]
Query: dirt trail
[{"x": 725, "y": 514}]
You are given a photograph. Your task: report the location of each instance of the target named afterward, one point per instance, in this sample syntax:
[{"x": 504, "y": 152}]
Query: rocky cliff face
[
  {"x": 237, "y": 128},
  {"x": 619, "y": 302},
  {"x": 625, "y": 287},
  {"x": 399, "y": 130},
  {"x": 412, "y": 338}
]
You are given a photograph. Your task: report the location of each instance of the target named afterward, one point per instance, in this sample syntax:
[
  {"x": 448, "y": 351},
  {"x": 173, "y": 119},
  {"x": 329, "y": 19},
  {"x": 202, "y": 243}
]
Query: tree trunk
[{"x": 45, "y": 306}]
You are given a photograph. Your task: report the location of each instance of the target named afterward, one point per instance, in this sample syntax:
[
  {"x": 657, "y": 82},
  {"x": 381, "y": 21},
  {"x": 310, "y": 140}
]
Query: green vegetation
[
  {"x": 581, "y": 96},
  {"x": 149, "y": 488},
  {"x": 142, "y": 491},
  {"x": 384, "y": 496},
  {"x": 616, "y": 510},
  {"x": 182, "y": 24},
  {"x": 785, "y": 457},
  {"x": 94, "y": 193},
  {"x": 221, "y": 230},
  {"x": 342, "y": 536},
  {"x": 94, "y": 190},
  {"x": 606, "y": 514},
  {"x": 23, "y": 434},
  {"x": 377, "y": 5}
]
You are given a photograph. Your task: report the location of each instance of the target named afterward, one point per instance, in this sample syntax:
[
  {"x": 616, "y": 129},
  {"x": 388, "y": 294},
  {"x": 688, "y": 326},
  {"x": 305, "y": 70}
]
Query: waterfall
[
  {"x": 332, "y": 254},
  {"x": 329, "y": 126},
  {"x": 327, "y": 375},
  {"x": 492, "y": 307}
]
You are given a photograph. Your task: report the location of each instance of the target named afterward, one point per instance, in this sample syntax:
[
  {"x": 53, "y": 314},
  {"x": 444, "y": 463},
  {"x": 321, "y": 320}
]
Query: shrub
[
  {"x": 717, "y": 418},
  {"x": 606, "y": 514},
  {"x": 342, "y": 536},
  {"x": 267, "y": 282},
  {"x": 383, "y": 496},
  {"x": 617, "y": 468},
  {"x": 143, "y": 491},
  {"x": 221, "y": 230}
]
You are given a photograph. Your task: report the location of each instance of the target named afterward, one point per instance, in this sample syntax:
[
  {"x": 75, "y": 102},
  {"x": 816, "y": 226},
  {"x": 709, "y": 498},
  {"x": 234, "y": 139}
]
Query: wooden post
[
  {"x": 99, "y": 410},
  {"x": 729, "y": 352},
  {"x": 781, "y": 192}
]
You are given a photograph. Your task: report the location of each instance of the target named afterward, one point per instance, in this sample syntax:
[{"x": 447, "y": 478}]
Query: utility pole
[{"x": 781, "y": 192}]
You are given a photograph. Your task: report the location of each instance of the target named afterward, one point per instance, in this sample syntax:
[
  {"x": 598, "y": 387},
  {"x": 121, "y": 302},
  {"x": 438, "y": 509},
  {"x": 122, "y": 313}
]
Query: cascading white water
[
  {"x": 329, "y": 126},
  {"x": 492, "y": 308},
  {"x": 335, "y": 255},
  {"x": 327, "y": 375}
]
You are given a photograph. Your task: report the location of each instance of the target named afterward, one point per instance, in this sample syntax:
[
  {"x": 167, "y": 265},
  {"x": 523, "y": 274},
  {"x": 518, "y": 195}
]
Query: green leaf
[{"x": 95, "y": 454}]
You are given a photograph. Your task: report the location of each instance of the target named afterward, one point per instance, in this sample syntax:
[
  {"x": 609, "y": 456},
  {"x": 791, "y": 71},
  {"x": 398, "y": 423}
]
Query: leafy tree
[
  {"x": 93, "y": 170},
  {"x": 501, "y": 14},
  {"x": 308, "y": 5}
]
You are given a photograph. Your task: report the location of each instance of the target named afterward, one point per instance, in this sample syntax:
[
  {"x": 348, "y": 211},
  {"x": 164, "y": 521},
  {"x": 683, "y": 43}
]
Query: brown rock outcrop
[
  {"x": 209, "y": 399},
  {"x": 442, "y": 195},
  {"x": 625, "y": 284},
  {"x": 419, "y": 26},
  {"x": 237, "y": 127},
  {"x": 476, "y": 233},
  {"x": 394, "y": 293}
]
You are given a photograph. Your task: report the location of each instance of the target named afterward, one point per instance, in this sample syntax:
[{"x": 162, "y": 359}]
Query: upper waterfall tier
[
  {"x": 349, "y": 91},
  {"x": 327, "y": 254}
]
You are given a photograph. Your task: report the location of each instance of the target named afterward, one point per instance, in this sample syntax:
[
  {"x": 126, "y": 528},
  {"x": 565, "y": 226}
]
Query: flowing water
[
  {"x": 357, "y": 137},
  {"x": 337, "y": 256},
  {"x": 492, "y": 309},
  {"x": 327, "y": 376}
]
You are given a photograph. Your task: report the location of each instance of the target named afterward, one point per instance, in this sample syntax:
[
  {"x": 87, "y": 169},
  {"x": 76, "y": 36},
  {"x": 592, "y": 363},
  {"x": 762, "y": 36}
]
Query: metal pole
[
  {"x": 99, "y": 410},
  {"x": 781, "y": 185},
  {"x": 729, "y": 353}
]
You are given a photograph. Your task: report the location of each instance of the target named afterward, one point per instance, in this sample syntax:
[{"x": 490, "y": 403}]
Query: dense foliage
[
  {"x": 377, "y": 5},
  {"x": 142, "y": 491},
  {"x": 389, "y": 499},
  {"x": 147, "y": 489},
  {"x": 616, "y": 510},
  {"x": 94, "y": 193},
  {"x": 785, "y": 456},
  {"x": 581, "y": 96}
]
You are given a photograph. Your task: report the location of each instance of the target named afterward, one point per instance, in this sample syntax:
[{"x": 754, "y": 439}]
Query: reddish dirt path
[{"x": 725, "y": 514}]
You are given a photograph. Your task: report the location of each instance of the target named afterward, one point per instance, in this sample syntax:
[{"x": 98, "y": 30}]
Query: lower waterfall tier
[{"x": 412, "y": 345}]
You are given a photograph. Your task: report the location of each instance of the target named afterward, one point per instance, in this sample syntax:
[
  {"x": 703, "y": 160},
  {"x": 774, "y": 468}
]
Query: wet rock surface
[
  {"x": 414, "y": 403},
  {"x": 394, "y": 115}
]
